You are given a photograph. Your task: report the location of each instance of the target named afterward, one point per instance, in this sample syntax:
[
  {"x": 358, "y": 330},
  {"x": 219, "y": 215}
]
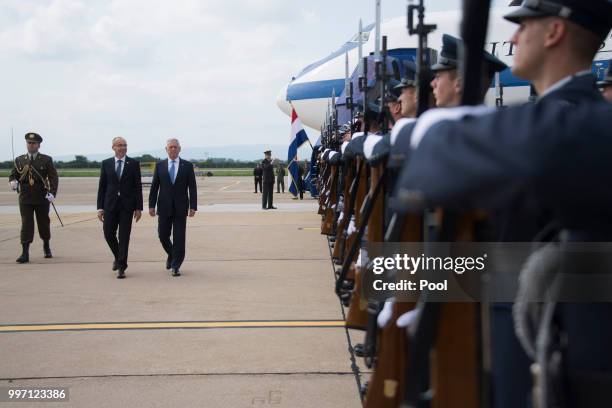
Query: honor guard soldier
[
  {"x": 35, "y": 178},
  {"x": 447, "y": 82},
  {"x": 606, "y": 84},
  {"x": 518, "y": 162},
  {"x": 280, "y": 178}
]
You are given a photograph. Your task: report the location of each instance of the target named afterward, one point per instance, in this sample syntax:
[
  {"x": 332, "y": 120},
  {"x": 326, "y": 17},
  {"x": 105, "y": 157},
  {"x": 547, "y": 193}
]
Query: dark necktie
[{"x": 118, "y": 169}]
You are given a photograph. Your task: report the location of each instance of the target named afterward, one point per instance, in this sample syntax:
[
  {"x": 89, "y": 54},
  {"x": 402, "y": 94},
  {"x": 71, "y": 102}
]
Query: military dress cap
[
  {"x": 408, "y": 77},
  {"x": 607, "y": 81},
  {"x": 394, "y": 90},
  {"x": 593, "y": 15},
  {"x": 344, "y": 129},
  {"x": 449, "y": 56},
  {"x": 33, "y": 137}
]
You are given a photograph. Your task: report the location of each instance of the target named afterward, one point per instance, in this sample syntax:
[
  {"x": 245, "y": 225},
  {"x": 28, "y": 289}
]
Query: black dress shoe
[
  {"x": 169, "y": 263},
  {"x": 115, "y": 267},
  {"x": 121, "y": 273},
  {"x": 272, "y": 208},
  {"x": 175, "y": 272}
]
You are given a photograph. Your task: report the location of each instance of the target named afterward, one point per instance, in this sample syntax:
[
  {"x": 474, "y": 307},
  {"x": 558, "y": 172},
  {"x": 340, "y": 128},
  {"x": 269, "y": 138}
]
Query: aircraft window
[{"x": 364, "y": 37}]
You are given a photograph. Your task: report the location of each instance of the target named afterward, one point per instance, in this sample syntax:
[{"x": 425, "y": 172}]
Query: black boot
[
  {"x": 47, "y": 249},
  {"x": 25, "y": 254}
]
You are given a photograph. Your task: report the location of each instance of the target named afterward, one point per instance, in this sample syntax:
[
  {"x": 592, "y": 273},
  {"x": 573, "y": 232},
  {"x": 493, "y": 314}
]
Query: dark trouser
[
  {"x": 122, "y": 220},
  {"x": 27, "y": 221},
  {"x": 266, "y": 197},
  {"x": 280, "y": 183},
  {"x": 511, "y": 373},
  {"x": 175, "y": 248},
  {"x": 588, "y": 357},
  {"x": 258, "y": 183}
]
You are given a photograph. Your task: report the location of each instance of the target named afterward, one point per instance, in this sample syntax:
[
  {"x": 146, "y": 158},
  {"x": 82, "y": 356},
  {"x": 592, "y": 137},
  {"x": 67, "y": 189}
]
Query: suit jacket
[
  {"x": 126, "y": 192},
  {"x": 172, "y": 199}
]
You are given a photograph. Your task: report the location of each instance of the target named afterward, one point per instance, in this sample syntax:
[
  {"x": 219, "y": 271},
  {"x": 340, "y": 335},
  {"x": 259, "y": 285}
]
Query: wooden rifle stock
[
  {"x": 354, "y": 238},
  {"x": 349, "y": 191},
  {"x": 388, "y": 382},
  {"x": 357, "y": 316},
  {"x": 446, "y": 340},
  {"x": 327, "y": 226}
]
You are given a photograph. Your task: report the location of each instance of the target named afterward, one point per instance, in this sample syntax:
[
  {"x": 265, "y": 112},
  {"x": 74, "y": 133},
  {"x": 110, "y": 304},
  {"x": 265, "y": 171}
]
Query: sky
[{"x": 80, "y": 72}]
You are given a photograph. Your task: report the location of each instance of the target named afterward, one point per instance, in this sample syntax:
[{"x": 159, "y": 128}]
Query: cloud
[
  {"x": 147, "y": 69},
  {"x": 51, "y": 31}
]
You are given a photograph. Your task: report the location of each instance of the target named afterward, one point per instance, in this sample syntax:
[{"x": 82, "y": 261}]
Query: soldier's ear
[{"x": 555, "y": 30}]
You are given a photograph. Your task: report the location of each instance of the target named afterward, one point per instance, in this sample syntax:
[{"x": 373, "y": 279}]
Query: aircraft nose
[{"x": 281, "y": 101}]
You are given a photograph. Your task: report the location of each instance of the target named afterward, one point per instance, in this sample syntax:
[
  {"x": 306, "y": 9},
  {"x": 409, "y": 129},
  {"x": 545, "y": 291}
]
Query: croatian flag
[{"x": 297, "y": 139}]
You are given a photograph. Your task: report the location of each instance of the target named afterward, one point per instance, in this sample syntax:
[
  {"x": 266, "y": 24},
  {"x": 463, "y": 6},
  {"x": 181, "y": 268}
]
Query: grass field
[{"x": 96, "y": 172}]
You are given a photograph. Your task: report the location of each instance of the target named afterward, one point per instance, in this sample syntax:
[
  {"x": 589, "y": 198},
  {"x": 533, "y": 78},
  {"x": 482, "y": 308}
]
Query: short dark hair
[{"x": 585, "y": 44}]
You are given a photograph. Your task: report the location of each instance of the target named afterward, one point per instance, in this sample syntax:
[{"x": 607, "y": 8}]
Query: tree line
[{"x": 82, "y": 162}]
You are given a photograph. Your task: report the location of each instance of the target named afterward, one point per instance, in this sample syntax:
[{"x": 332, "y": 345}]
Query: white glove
[
  {"x": 385, "y": 315},
  {"x": 50, "y": 197},
  {"x": 13, "y": 184},
  {"x": 407, "y": 318}
]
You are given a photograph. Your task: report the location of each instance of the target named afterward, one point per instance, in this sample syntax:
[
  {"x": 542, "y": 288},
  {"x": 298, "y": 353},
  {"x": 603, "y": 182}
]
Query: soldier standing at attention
[
  {"x": 280, "y": 178},
  {"x": 257, "y": 174},
  {"x": 35, "y": 177},
  {"x": 268, "y": 181}
]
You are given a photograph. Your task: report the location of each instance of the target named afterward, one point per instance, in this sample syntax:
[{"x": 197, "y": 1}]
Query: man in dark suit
[
  {"x": 119, "y": 201},
  {"x": 268, "y": 181},
  {"x": 173, "y": 179}
]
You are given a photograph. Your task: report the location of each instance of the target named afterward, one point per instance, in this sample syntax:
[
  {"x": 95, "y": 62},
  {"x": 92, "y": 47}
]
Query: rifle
[
  {"x": 454, "y": 365},
  {"x": 423, "y": 72},
  {"x": 372, "y": 216}
]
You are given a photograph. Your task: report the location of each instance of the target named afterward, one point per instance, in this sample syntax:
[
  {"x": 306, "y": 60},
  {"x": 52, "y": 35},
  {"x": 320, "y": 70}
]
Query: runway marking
[
  {"x": 262, "y": 324},
  {"x": 311, "y": 228},
  {"x": 228, "y": 186}
]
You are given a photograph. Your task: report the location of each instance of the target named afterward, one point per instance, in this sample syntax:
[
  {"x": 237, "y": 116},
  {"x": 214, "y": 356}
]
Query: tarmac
[{"x": 252, "y": 322}]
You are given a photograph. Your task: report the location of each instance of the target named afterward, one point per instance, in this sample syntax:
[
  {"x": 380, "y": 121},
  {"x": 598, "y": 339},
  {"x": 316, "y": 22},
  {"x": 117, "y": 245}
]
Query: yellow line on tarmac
[
  {"x": 231, "y": 185},
  {"x": 311, "y": 228},
  {"x": 169, "y": 325}
]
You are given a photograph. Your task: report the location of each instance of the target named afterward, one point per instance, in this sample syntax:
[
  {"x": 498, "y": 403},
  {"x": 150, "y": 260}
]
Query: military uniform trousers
[
  {"x": 121, "y": 220},
  {"x": 280, "y": 184},
  {"x": 266, "y": 197},
  {"x": 27, "y": 221},
  {"x": 258, "y": 183}
]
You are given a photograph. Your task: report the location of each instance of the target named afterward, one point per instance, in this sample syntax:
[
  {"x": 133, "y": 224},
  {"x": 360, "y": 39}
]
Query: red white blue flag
[{"x": 297, "y": 139}]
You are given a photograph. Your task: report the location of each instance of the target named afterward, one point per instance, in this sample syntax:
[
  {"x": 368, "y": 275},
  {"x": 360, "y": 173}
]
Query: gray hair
[
  {"x": 172, "y": 140},
  {"x": 117, "y": 138}
]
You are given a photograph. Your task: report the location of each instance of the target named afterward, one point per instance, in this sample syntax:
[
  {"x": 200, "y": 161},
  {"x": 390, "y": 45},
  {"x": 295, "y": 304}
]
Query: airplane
[{"x": 310, "y": 90}]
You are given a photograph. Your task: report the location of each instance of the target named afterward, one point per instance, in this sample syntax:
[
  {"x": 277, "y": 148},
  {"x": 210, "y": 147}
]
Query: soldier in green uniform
[{"x": 35, "y": 178}]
